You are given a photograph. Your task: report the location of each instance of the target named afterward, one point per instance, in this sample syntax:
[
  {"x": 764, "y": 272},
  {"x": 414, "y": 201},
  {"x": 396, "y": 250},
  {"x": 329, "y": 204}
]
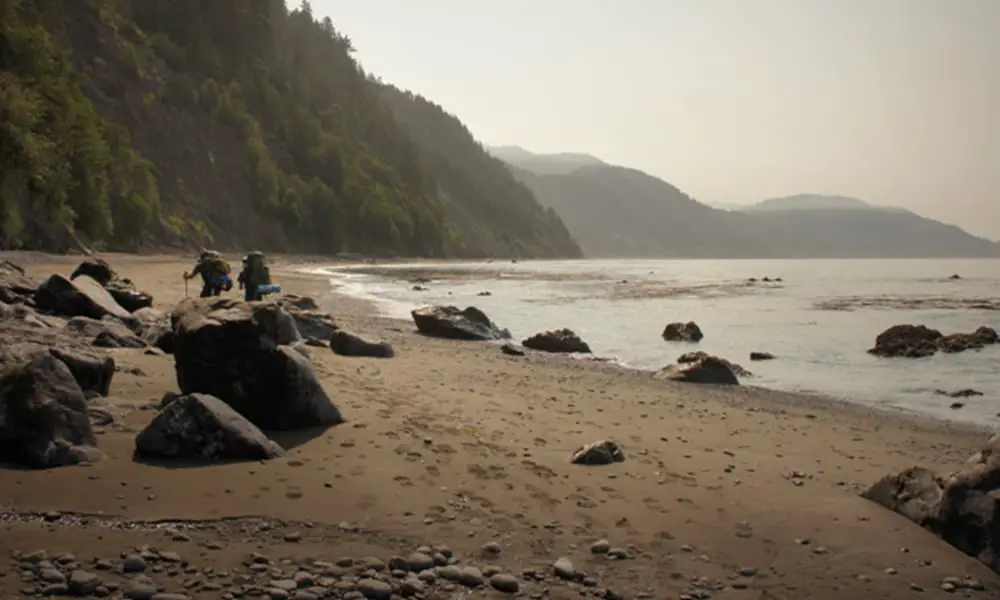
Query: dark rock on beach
[
  {"x": 43, "y": 416},
  {"x": 92, "y": 372},
  {"x": 202, "y": 427},
  {"x": 221, "y": 350},
  {"x": 759, "y": 356},
  {"x": 703, "y": 369},
  {"x": 451, "y": 323},
  {"x": 121, "y": 289},
  {"x": 918, "y": 341},
  {"x": 82, "y": 297},
  {"x": 106, "y": 333},
  {"x": 602, "y": 452},
  {"x": 564, "y": 341},
  {"x": 683, "y": 332},
  {"x": 346, "y": 343},
  {"x": 963, "y": 508},
  {"x": 15, "y": 286}
]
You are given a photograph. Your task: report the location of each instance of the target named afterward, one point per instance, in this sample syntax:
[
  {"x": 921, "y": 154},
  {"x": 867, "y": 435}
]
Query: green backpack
[{"x": 257, "y": 271}]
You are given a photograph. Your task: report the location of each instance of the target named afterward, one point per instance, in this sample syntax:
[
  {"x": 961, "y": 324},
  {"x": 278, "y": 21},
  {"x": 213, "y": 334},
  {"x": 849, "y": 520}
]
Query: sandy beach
[{"x": 724, "y": 493}]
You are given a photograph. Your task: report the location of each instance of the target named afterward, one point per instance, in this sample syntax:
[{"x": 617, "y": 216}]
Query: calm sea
[{"x": 818, "y": 320}]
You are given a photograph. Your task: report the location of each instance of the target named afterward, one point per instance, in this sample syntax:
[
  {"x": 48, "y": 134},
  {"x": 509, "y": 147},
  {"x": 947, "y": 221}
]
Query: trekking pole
[{"x": 185, "y": 287}]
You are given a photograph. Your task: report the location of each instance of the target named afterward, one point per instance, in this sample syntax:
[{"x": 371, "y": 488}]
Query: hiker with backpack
[
  {"x": 255, "y": 278},
  {"x": 214, "y": 271}
]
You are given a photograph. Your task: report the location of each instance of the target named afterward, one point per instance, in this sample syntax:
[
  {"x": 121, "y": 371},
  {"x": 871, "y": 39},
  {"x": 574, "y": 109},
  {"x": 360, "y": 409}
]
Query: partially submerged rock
[
  {"x": 963, "y": 508},
  {"x": 202, "y": 427},
  {"x": 682, "y": 332},
  {"x": 561, "y": 341},
  {"x": 82, "y": 297},
  {"x": 43, "y": 416},
  {"x": 451, "y": 323},
  {"x": 602, "y": 452},
  {"x": 918, "y": 341},
  {"x": 706, "y": 369},
  {"x": 698, "y": 355},
  {"x": 346, "y": 343},
  {"x": 759, "y": 356},
  {"x": 221, "y": 350}
]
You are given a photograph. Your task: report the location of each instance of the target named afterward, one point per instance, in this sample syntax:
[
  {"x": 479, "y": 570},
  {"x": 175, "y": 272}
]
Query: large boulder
[
  {"x": 706, "y": 369},
  {"x": 222, "y": 350},
  {"x": 451, "y": 323},
  {"x": 682, "y": 332},
  {"x": 15, "y": 286},
  {"x": 346, "y": 343},
  {"x": 202, "y": 427},
  {"x": 82, "y": 297},
  {"x": 92, "y": 372},
  {"x": 43, "y": 416},
  {"x": 963, "y": 508},
  {"x": 560, "y": 340},
  {"x": 123, "y": 290}
]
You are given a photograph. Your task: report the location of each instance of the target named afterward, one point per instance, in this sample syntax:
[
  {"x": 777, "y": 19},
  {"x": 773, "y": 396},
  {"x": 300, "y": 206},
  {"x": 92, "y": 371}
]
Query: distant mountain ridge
[
  {"x": 564, "y": 162},
  {"x": 616, "y": 211}
]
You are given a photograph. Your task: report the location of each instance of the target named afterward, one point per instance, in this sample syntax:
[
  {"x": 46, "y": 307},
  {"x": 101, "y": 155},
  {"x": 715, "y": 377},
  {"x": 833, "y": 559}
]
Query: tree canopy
[{"x": 233, "y": 122}]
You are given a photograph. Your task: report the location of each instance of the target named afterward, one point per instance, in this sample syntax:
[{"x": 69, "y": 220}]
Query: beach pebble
[
  {"x": 492, "y": 548},
  {"x": 141, "y": 590},
  {"x": 471, "y": 577},
  {"x": 375, "y": 589},
  {"x": 419, "y": 561},
  {"x": 505, "y": 582},
  {"x": 600, "y": 547},
  {"x": 134, "y": 563},
  {"x": 83, "y": 583},
  {"x": 563, "y": 568},
  {"x": 51, "y": 575}
]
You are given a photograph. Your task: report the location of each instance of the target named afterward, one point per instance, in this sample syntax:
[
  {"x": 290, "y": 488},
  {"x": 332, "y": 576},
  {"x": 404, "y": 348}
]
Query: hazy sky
[{"x": 892, "y": 101}]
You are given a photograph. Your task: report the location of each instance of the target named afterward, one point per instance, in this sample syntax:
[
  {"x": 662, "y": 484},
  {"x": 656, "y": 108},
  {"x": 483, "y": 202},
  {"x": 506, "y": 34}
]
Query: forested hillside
[
  {"x": 234, "y": 123},
  {"x": 486, "y": 201}
]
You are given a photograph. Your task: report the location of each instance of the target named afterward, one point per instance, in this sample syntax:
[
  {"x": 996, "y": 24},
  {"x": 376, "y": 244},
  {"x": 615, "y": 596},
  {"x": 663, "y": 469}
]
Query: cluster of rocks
[
  {"x": 149, "y": 574},
  {"x": 962, "y": 508},
  {"x": 918, "y": 341},
  {"x": 242, "y": 368},
  {"x": 701, "y": 367}
]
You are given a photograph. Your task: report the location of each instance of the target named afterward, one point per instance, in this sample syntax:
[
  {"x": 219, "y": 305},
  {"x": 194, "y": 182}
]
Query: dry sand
[{"x": 455, "y": 443}]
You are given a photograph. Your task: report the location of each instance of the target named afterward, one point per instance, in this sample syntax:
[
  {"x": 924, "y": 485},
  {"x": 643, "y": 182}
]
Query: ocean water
[{"x": 818, "y": 321}]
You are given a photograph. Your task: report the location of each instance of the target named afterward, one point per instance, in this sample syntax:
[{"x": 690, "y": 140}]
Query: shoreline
[
  {"x": 735, "y": 493},
  {"x": 372, "y": 307}
]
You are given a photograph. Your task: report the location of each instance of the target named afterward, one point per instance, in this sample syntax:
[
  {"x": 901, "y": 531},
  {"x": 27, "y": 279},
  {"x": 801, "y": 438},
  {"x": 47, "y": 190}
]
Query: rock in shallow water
[{"x": 564, "y": 341}]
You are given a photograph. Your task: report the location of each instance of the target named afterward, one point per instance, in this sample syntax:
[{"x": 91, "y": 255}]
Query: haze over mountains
[{"x": 615, "y": 211}]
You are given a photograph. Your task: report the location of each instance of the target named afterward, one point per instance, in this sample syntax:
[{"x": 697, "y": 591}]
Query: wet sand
[{"x": 733, "y": 493}]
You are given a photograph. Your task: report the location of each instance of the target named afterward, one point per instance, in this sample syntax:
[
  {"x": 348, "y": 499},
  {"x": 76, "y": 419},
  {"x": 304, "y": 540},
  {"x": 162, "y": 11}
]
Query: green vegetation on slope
[
  {"x": 487, "y": 203},
  {"x": 61, "y": 165},
  {"x": 233, "y": 122}
]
